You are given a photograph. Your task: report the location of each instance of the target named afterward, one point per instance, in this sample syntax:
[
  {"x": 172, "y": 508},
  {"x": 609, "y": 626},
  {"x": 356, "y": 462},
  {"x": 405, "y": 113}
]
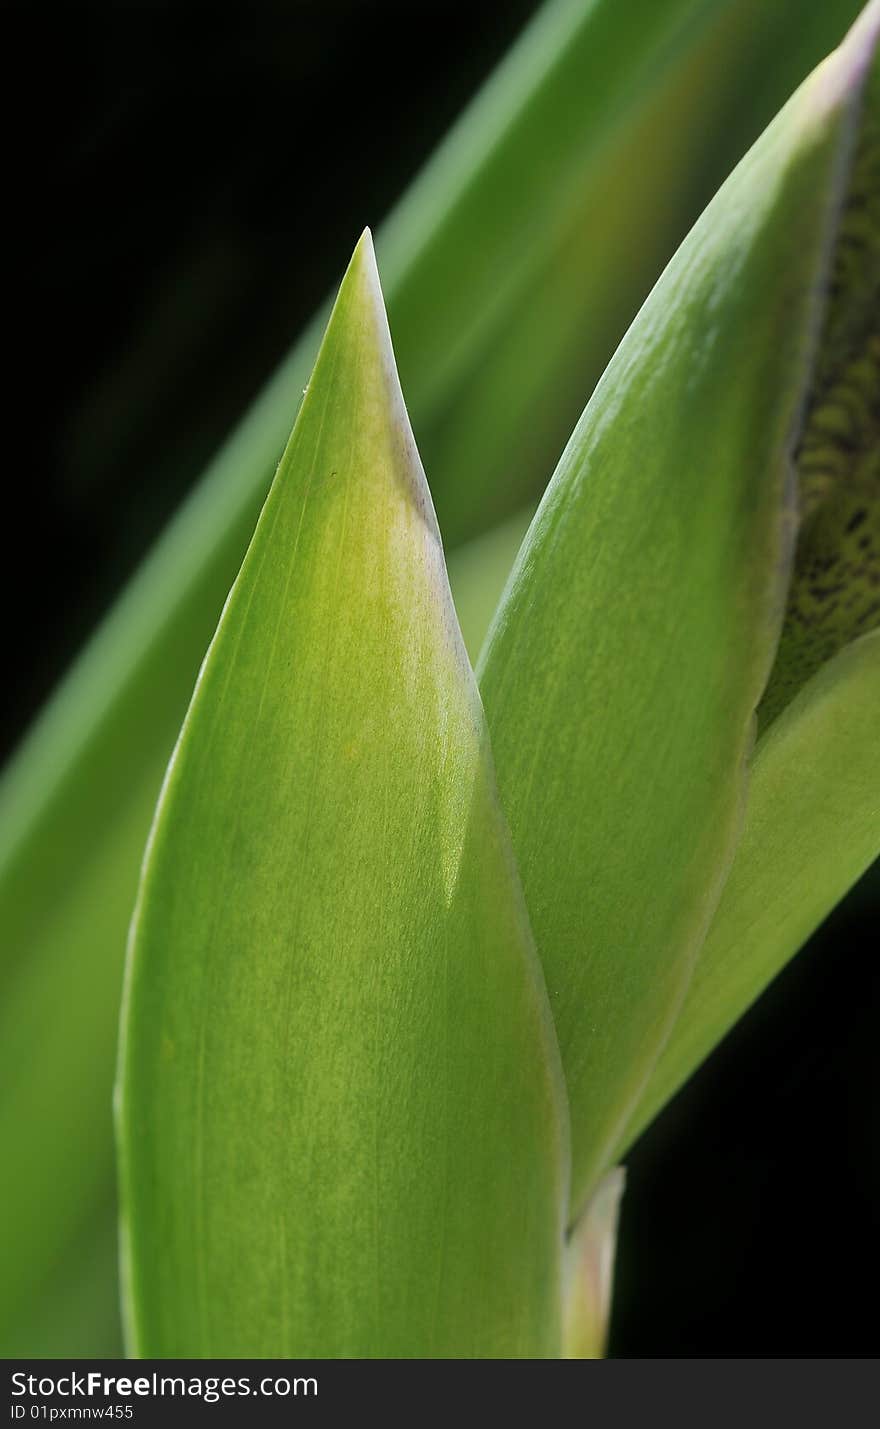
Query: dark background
[{"x": 185, "y": 184}]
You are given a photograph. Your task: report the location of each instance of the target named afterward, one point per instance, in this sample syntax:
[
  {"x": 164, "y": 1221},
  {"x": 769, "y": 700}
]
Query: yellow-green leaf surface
[
  {"x": 513, "y": 265},
  {"x": 342, "y": 1126},
  {"x": 638, "y": 630},
  {"x": 812, "y": 827}
]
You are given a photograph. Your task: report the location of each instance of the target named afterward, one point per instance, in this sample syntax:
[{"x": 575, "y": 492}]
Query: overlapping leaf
[
  {"x": 640, "y": 625},
  {"x": 812, "y": 827},
  {"x": 544, "y": 183},
  {"x": 813, "y": 816}
]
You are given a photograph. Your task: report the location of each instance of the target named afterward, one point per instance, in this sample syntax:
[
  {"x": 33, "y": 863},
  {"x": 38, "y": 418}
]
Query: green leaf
[
  {"x": 812, "y": 827},
  {"x": 74, "y": 1309},
  {"x": 342, "y": 1120},
  {"x": 813, "y": 817},
  {"x": 513, "y": 265},
  {"x": 639, "y": 627}
]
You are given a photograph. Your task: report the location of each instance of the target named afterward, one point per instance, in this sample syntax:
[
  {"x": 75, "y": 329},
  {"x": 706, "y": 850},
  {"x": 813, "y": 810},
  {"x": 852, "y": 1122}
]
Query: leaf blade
[
  {"x": 812, "y": 824},
  {"x": 341, "y": 1111},
  {"x": 665, "y": 536}
]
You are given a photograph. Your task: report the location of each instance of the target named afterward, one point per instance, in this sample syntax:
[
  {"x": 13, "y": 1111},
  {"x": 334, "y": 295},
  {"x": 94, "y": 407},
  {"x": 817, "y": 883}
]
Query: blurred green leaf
[
  {"x": 72, "y": 1307},
  {"x": 478, "y": 572},
  {"x": 622, "y": 673},
  {"x": 512, "y": 265},
  {"x": 341, "y": 1105},
  {"x": 564, "y": 227}
]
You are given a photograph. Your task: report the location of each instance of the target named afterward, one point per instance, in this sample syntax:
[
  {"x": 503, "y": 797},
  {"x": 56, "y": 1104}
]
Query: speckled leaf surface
[{"x": 341, "y": 1112}]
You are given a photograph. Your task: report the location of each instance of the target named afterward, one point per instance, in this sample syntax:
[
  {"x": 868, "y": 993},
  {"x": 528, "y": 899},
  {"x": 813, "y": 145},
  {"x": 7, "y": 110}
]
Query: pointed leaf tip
[
  {"x": 363, "y": 260},
  {"x": 356, "y": 380},
  {"x": 342, "y": 1120},
  {"x": 863, "y": 38}
]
